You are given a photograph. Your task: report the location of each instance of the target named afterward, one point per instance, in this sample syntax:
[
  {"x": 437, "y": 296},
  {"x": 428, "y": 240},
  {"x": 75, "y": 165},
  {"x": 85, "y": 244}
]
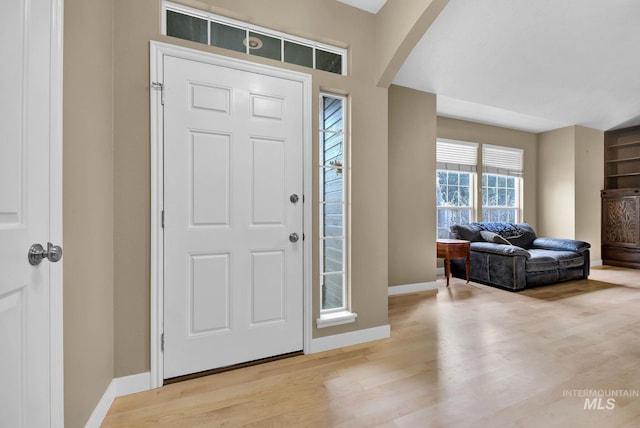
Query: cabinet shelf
[
  {"x": 637, "y": 158},
  {"x": 622, "y": 158},
  {"x": 629, "y": 174},
  {"x": 631, "y": 143}
]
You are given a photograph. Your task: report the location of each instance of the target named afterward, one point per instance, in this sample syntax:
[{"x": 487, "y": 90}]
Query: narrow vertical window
[
  {"x": 455, "y": 181},
  {"x": 332, "y": 174}
]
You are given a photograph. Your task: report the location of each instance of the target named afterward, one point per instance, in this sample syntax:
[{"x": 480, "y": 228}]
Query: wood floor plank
[{"x": 469, "y": 356}]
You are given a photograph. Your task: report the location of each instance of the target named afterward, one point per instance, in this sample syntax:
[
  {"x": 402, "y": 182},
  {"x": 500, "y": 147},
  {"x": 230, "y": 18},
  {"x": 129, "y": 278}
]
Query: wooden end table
[{"x": 448, "y": 249}]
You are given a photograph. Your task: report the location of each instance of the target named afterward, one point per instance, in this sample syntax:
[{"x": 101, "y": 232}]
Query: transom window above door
[{"x": 203, "y": 27}]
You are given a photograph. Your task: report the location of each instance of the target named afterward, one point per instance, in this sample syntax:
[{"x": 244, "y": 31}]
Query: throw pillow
[{"x": 493, "y": 237}]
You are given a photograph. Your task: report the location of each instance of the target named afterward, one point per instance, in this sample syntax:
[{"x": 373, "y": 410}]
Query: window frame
[
  {"x": 250, "y": 28},
  {"x": 470, "y": 208},
  {"x": 338, "y": 315},
  {"x": 517, "y": 209},
  {"x": 507, "y": 162}
]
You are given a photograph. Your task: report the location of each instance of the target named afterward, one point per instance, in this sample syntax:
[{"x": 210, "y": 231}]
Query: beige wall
[
  {"x": 569, "y": 184},
  {"x": 589, "y": 179},
  {"x": 556, "y": 187},
  {"x": 412, "y": 184},
  {"x": 87, "y": 206},
  {"x": 135, "y": 23},
  {"x": 455, "y": 129}
]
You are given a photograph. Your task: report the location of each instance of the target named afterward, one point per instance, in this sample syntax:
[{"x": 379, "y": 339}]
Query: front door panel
[{"x": 233, "y": 150}]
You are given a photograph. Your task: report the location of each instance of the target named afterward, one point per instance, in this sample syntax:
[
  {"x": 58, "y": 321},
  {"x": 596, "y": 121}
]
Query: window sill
[{"x": 336, "y": 318}]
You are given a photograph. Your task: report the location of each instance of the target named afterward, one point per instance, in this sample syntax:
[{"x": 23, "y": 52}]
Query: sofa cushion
[
  {"x": 504, "y": 229},
  {"x": 468, "y": 232},
  {"x": 527, "y": 236},
  {"x": 568, "y": 259},
  {"x": 493, "y": 248},
  {"x": 540, "y": 261},
  {"x": 561, "y": 244},
  {"x": 493, "y": 237},
  {"x": 520, "y": 234},
  {"x": 543, "y": 260}
]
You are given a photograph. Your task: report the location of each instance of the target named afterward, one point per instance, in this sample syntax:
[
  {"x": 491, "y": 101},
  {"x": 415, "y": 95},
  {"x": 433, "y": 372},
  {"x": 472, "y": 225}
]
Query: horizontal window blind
[
  {"x": 456, "y": 155},
  {"x": 502, "y": 160}
]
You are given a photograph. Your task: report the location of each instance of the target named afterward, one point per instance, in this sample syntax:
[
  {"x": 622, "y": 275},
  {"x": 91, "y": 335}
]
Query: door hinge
[
  {"x": 159, "y": 87},
  {"x": 162, "y": 218},
  {"x": 162, "y": 342}
]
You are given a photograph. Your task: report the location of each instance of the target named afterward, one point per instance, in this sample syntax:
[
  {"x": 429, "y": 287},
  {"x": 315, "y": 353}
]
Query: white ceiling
[
  {"x": 372, "y": 6},
  {"x": 532, "y": 65}
]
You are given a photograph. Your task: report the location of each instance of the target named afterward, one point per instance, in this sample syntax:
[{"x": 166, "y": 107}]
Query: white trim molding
[
  {"x": 56, "y": 329},
  {"x": 158, "y": 51},
  {"x": 596, "y": 262},
  {"x": 351, "y": 338},
  {"x": 117, "y": 388},
  {"x": 412, "y": 288},
  {"x": 336, "y": 318}
]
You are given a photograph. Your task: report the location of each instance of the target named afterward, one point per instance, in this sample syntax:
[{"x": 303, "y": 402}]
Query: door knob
[
  {"x": 293, "y": 198},
  {"x": 293, "y": 237},
  {"x": 36, "y": 253}
]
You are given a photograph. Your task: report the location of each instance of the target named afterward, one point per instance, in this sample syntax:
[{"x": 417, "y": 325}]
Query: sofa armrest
[
  {"x": 560, "y": 244},
  {"x": 504, "y": 250}
]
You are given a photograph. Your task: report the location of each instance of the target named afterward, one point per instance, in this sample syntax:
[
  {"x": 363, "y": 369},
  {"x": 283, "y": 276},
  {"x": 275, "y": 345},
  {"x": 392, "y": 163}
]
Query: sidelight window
[{"x": 332, "y": 171}]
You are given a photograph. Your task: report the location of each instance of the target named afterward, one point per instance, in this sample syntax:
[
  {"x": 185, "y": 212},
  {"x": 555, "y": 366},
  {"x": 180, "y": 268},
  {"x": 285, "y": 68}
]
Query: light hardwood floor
[{"x": 468, "y": 356}]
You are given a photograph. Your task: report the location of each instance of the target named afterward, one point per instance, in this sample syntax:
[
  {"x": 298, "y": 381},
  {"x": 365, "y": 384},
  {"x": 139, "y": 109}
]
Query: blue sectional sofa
[{"x": 512, "y": 257}]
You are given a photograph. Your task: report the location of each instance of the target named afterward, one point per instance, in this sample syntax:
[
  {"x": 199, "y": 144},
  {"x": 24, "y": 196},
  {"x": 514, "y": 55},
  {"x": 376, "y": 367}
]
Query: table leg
[
  {"x": 468, "y": 266},
  {"x": 447, "y": 269}
]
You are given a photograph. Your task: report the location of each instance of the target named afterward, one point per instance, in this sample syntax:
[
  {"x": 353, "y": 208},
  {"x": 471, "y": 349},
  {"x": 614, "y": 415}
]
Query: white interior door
[
  {"x": 25, "y": 126},
  {"x": 233, "y": 280}
]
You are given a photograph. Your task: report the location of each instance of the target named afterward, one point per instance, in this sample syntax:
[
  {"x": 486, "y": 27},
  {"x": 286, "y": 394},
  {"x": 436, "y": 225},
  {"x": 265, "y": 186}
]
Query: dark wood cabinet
[
  {"x": 621, "y": 227},
  {"x": 621, "y": 198}
]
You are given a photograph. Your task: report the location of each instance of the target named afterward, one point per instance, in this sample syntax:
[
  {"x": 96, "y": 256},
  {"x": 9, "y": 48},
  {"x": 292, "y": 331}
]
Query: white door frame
[
  {"x": 158, "y": 51},
  {"x": 55, "y": 215}
]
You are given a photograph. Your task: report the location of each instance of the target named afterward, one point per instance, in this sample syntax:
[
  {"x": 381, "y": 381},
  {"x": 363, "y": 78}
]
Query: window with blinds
[
  {"x": 456, "y": 155},
  {"x": 501, "y": 183},
  {"x": 499, "y": 191},
  {"x": 502, "y": 160},
  {"x": 456, "y": 164}
]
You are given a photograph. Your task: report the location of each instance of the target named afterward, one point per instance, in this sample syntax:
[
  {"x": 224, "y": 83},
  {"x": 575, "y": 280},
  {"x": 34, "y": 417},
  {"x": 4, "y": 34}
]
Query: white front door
[
  {"x": 26, "y": 119},
  {"x": 233, "y": 168}
]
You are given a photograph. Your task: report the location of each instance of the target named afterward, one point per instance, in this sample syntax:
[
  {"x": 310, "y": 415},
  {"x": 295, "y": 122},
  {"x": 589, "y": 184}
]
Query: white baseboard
[
  {"x": 347, "y": 339},
  {"x": 412, "y": 288},
  {"x": 596, "y": 262},
  {"x": 118, "y": 387},
  {"x": 96, "y": 418},
  {"x": 440, "y": 271}
]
